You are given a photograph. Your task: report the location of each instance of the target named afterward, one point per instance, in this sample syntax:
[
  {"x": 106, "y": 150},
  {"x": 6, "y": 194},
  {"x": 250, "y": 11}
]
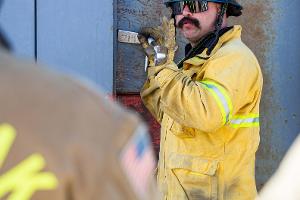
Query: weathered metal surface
[
  {"x": 17, "y": 21},
  {"x": 134, "y": 103},
  {"x": 270, "y": 30},
  {"x": 77, "y": 37},
  {"x": 259, "y": 35},
  {"x": 131, "y": 16}
]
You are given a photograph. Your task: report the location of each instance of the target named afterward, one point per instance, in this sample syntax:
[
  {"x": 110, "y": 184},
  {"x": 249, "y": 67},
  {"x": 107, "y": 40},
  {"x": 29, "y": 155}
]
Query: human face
[{"x": 195, "y": 25}]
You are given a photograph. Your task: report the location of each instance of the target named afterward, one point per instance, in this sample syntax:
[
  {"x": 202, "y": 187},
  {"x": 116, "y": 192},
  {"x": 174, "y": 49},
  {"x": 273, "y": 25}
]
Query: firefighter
[
  {"x": 61, "y": 139},
  {"x": 207, "y": 104}
]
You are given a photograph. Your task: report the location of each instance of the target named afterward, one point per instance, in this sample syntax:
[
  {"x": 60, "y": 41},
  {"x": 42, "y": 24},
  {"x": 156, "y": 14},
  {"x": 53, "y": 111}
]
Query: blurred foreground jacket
[
  {"x": 61, "y": 140},
  {"x": 285, "y": 183}
]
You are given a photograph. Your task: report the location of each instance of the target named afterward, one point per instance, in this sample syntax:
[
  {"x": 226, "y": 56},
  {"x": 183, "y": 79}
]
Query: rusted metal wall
[
  {"x": 259, "y": 34},
  {"x": 270, "y": 29},
  {"x": 132, "y": 15}
]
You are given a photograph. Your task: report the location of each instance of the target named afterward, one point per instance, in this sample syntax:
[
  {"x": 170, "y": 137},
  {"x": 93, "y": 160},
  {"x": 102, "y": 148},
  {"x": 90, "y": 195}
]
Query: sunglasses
[{"x": 194, "y": 6}]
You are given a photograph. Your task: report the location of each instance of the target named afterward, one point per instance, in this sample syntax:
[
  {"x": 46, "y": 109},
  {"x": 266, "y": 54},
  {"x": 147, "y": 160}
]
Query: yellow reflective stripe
[
  {"x": 7, "y": 137},
  {"x": 222, "y": 98},
  {"x": 250, "y": 120},
  {"x": 22, "y": 181}
]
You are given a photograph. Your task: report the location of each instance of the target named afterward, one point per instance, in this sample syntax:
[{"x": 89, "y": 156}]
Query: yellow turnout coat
[{"x": 209, "y": 115}]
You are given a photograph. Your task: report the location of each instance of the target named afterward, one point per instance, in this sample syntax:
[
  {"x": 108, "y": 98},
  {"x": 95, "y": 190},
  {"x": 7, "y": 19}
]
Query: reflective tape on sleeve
[
  {"x": 222, "y": 98},
  {"x": 250, "y": 120}
]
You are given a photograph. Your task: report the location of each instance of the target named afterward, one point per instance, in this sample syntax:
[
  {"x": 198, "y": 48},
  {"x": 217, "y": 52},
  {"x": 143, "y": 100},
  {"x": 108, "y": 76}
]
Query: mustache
[{"x": 193, "y": 21}]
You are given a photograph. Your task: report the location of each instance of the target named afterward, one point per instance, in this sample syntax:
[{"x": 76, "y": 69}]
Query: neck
[{"x": 195, "y": 43}]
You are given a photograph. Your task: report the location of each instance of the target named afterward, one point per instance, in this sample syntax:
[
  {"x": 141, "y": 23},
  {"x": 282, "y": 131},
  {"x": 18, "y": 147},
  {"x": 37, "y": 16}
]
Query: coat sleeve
[
  {"x": 151, "y": 94},
  {"x": 206, "y": 104}
]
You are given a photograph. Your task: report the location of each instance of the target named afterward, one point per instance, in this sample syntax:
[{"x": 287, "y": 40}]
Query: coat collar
[{"x": 201, "y": 58}]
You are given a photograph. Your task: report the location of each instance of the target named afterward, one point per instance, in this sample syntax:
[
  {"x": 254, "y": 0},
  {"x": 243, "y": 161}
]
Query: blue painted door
[
  {"x": 17, "y": 22},
  {"x": 75, "y": 36}
]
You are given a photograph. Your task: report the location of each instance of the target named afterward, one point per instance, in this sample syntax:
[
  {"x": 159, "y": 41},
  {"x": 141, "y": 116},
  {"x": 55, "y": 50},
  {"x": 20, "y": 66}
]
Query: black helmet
[{"x": 233, "y": 9}]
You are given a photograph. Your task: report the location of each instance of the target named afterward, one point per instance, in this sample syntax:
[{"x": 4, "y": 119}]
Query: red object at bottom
[{"x": 134, "y": 102}]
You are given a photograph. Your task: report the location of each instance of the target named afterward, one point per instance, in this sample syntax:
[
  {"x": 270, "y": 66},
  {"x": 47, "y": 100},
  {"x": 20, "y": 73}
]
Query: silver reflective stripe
[
  {"x": 245, "y": 121},
  {"x": 221, "y": 98}
]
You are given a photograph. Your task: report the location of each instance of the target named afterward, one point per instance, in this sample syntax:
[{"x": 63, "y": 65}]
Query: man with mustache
[{"x": 207, "y": 104}]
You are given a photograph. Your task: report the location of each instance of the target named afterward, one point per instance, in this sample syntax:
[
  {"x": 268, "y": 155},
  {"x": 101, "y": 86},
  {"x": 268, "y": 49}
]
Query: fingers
[
  {"x": 171, "y": 24},
  {"x": 150, "y": 51},
  {"x": 155, "y": 33},
  {"x": 164, "y": 36},
  {"x": 143, "y": 41},
  {"x": 171, "y": 28}
]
